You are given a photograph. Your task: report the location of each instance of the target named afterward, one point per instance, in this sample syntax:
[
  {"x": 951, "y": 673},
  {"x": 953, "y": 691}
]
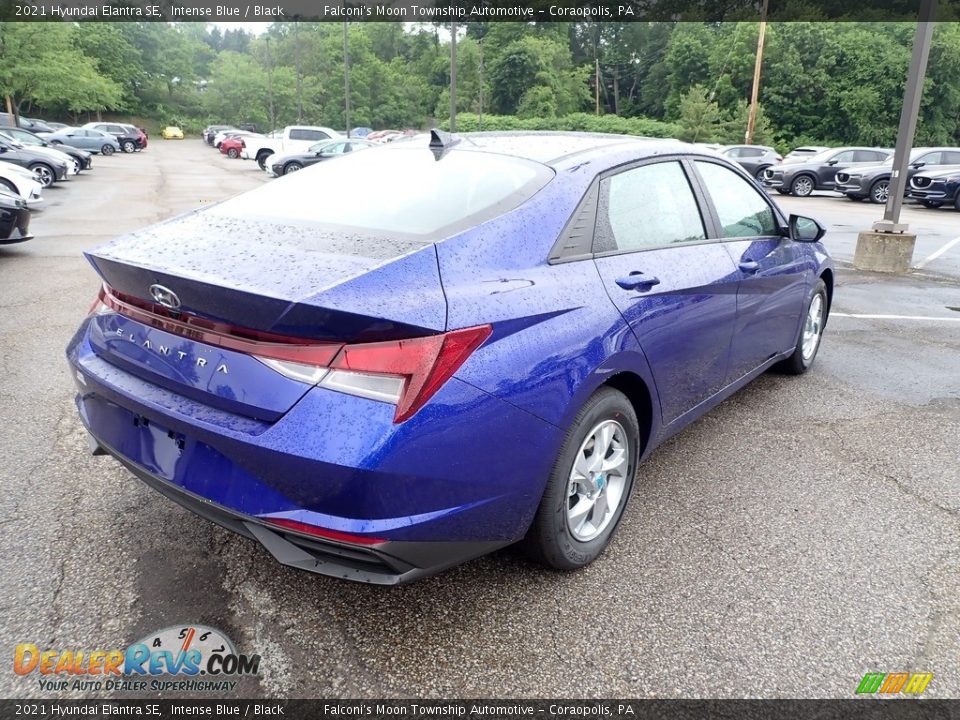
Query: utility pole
[
  {"x": 296, "y": 54},
  {"x": 273, "y": 114},
  {"x": 596, "y": 84},
  {"x": 755, "y": 92},
  {"x": 346, "y": 78},
  {"x": 453, "y": 76},
  {"x": 889, "y": 247}
]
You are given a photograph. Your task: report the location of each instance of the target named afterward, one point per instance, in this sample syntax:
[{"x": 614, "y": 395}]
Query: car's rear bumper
[
  {"x": 461, "y": 477},
  {"x": 387, "y": 563}
]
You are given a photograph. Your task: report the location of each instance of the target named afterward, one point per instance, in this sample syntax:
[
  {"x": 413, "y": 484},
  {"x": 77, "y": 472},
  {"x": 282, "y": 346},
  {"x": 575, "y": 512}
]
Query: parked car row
[
  {"x": 295, "y": 146},
  {"x": 32, "y": 160},
  {"x": 859, "y": 173}
]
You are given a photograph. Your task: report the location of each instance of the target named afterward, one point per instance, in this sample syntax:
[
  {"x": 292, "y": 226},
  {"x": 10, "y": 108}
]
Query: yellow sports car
[{"x": 172, "y": 132}]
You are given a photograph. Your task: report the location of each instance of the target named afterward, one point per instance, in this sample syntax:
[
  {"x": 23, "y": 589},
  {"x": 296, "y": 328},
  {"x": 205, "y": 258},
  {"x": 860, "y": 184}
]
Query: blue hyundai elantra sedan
[{"x": 383, "y": 366}]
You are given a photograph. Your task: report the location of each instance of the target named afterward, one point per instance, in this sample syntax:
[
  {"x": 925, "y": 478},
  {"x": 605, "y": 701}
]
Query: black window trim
[
  {"x": 576, "y": 249},
  {"x": 564, "y": 250}
]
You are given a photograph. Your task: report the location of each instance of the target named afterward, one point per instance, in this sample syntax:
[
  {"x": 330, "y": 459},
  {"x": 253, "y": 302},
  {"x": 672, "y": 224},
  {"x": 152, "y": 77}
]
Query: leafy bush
[{"x": 583, "y": 122}]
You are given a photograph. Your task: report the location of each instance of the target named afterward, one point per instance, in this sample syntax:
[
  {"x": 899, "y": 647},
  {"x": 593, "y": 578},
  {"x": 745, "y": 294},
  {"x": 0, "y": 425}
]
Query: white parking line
[
  {"x": 926, "y": 318},
  {"x": 937, "y": 253}
]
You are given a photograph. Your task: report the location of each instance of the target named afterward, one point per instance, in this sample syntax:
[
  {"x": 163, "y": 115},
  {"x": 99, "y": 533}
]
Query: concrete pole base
[{"x": 884, "y": 252}]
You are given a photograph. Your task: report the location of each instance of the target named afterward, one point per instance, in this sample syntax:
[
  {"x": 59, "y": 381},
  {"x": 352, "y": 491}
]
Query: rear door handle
[
  {"x": 637, "y": 281},
  {"x": 749, "y": 266}
]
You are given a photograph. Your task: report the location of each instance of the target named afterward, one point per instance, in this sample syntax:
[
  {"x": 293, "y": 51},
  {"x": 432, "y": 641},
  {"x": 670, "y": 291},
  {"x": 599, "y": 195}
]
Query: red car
[{"x": 231, "y": 147}]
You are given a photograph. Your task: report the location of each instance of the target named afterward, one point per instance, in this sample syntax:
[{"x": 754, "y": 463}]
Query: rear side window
[
  {"x": 868, "y": 156},
  {"x": 399, "y": 191},
  {"x": 950, "y": 157},
  {"x": 303, "y": 134},
  {"x": 647, "y": 206},
  {"x": 743, "y": 212}
]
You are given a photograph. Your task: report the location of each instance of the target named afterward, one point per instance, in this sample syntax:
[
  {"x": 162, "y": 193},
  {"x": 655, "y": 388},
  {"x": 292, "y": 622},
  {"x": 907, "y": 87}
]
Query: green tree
[{"x": 699, "y": 116}]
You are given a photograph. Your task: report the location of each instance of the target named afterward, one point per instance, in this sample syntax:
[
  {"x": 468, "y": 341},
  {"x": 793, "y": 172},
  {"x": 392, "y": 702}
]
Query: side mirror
[
  {"x": 804, "y": 229},
  {"x": 832, "y": 162},
  {"x": 917, "y": 164}
]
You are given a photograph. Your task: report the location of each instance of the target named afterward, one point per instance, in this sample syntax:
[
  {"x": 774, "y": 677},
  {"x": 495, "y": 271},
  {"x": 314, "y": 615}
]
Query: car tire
[
  {"x": 816, "y": 311},
  {"x": 562, "y": 535},
  {"x": 802, "y": 186},
  {"x": 128, "y": 146},
  {"x": 233, "y": 153},
  {"x": 44, "y": 174},
  {"x": 879, "y": 192},
  {"x": 292, "y": 167},
  {"x": 107, "y": 150},
  {"x": 262, "y": 160}
]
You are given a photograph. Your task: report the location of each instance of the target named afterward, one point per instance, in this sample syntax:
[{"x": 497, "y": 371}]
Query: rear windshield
[{"x": 397, "y": 191}]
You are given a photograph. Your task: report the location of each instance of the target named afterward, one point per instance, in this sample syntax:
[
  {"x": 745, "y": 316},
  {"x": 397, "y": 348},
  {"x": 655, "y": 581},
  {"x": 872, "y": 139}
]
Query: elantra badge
[{"x": 165, "y": 296}]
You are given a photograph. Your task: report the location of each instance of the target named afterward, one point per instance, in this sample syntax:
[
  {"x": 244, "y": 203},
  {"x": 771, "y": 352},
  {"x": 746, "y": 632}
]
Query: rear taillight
[{"x": 405, "y": 372}]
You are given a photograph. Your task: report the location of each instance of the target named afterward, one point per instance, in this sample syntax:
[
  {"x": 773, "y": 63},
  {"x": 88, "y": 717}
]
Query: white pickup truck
[{"x": 295, "y": 138}]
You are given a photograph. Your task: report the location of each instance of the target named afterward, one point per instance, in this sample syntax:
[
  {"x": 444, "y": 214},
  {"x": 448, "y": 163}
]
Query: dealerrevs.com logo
[{"x": 187, "y": 658}]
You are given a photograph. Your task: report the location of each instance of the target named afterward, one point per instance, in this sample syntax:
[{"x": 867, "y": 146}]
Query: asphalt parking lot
[{"x": 803, "y": 533}]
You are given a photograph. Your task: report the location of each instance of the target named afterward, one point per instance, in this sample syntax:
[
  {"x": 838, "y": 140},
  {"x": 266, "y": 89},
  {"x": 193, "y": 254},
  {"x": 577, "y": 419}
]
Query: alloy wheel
[
  {"x": 880, "y": 192},
  {"x": 802, "y": 186},
  {"x": 812, "y": 328},
  {"x": 597, "y": 481},
  {"x": 44, "y": 175}
]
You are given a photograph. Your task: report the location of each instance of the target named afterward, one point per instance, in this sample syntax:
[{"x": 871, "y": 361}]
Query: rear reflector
[{"x": 325, "y": 533}]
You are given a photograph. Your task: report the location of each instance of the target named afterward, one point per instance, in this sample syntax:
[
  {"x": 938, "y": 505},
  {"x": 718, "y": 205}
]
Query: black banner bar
[
  {"x": 871, "y": 709},
  {"x": 465, "y": 11}
]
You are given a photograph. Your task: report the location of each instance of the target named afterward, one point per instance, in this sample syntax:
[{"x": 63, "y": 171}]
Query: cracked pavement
[{"x": 803, "y": 533}]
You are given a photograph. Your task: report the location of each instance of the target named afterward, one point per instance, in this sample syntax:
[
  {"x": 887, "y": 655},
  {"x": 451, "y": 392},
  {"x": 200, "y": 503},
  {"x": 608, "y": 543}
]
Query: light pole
[
  {"x": 889, "y": 247},
  {"x": 346, "y": 78}
]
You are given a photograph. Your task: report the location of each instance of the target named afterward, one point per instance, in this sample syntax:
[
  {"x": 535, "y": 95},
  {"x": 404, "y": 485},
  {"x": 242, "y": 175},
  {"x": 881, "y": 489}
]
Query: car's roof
[{"x": 558, "y": 149}]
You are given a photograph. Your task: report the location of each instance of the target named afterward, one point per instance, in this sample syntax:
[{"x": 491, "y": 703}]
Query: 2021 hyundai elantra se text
[{"x": 378, "y": 391}]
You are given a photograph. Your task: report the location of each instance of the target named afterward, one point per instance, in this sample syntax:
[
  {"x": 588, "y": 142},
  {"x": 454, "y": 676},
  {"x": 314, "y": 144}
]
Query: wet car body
[{"x": 381, "y": 391}]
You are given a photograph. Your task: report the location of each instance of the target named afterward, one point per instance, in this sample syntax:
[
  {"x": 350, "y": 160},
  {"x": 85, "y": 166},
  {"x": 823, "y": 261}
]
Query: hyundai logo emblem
[{"x": 165, "y": 296}]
